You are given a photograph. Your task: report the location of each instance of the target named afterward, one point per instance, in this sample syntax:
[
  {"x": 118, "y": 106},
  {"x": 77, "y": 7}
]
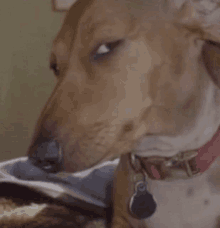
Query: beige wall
[{"x": 27, "y": 29}]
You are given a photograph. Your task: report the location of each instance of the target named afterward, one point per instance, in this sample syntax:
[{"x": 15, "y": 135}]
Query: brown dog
[
  {"x": 138, "y": 77},
  {"x": 131, "y": 74}
]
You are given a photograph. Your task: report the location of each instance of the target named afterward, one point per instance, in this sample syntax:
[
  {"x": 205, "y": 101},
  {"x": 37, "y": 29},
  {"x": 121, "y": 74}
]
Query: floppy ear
[
  {"x": 203, "y": 15},
  {"x": 207, "y": 15},
  {"x": 211, "y": 59},
  {"x": 202, "y": 18}
]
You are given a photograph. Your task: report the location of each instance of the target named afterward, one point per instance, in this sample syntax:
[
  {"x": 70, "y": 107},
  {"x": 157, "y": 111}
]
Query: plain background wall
[{"x": 27, "y": 28}]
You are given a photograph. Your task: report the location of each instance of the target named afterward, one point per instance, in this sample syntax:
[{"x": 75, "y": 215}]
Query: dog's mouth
[
  {"x": 193, "y": 162},
  {"x": 156, "y": 162}
]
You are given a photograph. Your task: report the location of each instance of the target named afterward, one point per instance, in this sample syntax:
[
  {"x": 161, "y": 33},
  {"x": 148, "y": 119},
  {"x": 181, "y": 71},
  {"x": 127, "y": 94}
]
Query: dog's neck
[
  {"x": 162, "y": 168},
  {"x": 185, "y": 164},
  {"x": 156, "y": 167}
]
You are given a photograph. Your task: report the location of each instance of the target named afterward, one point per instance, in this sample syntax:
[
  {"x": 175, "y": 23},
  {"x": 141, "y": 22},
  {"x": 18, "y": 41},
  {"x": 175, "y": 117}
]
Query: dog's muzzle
[{"x": 48, "y": 156}]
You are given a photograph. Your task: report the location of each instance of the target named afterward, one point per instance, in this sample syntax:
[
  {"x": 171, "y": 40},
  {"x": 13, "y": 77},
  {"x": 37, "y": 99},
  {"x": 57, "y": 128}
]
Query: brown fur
[
  {"x": 32, "y": 215},
  {"x": 86, "y": 112},
  {"x": 22, "y": 207}
]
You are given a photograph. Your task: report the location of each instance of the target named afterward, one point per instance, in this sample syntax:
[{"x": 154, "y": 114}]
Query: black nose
[{"x": 47, "y": 155}]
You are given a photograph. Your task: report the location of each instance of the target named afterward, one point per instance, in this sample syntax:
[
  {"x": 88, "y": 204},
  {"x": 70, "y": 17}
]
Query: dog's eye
[
  {"x": 55, "y": 68},
  {"x": 104, "y": 49},
  {"x": 54, "y": 65}
]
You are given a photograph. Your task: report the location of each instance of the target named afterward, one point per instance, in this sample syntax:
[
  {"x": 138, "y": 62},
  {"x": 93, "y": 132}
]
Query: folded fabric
[{"x": 91, "y": 186}]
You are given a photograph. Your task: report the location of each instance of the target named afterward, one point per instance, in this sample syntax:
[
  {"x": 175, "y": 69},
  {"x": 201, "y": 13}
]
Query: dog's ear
[
  {"x": 211, "y": 59},
  {"x": 203, "y": 19},
  {"x": 202, "y": 15}
]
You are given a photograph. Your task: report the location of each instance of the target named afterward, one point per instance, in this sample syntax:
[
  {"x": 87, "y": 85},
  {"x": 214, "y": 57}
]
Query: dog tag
[{"x": 142, "y": 203}]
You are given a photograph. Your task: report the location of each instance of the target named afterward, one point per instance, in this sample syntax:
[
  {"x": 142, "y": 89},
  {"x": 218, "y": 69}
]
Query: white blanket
[{"x": 92, "y": 186}]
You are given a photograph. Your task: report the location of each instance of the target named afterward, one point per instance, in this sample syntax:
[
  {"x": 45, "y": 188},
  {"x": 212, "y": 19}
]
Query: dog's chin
[
  {"x": 155, "y": 148},
  {"x": 162, "y": 149}
]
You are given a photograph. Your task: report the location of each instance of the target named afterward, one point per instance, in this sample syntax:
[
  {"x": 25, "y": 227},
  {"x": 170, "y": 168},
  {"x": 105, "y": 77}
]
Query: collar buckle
[{"x": 183, "y": 160}]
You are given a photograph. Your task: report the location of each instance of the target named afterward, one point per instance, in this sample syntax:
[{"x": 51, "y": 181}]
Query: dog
[{"x": 140, "y": 80}]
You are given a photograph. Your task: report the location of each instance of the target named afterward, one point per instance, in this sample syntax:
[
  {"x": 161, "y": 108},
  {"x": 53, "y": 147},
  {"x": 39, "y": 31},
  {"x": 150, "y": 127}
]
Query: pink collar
[{"x": 201, "y": 159}]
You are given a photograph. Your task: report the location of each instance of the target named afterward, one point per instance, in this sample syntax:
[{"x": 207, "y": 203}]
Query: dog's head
[{"x": 132, "y": 76}]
